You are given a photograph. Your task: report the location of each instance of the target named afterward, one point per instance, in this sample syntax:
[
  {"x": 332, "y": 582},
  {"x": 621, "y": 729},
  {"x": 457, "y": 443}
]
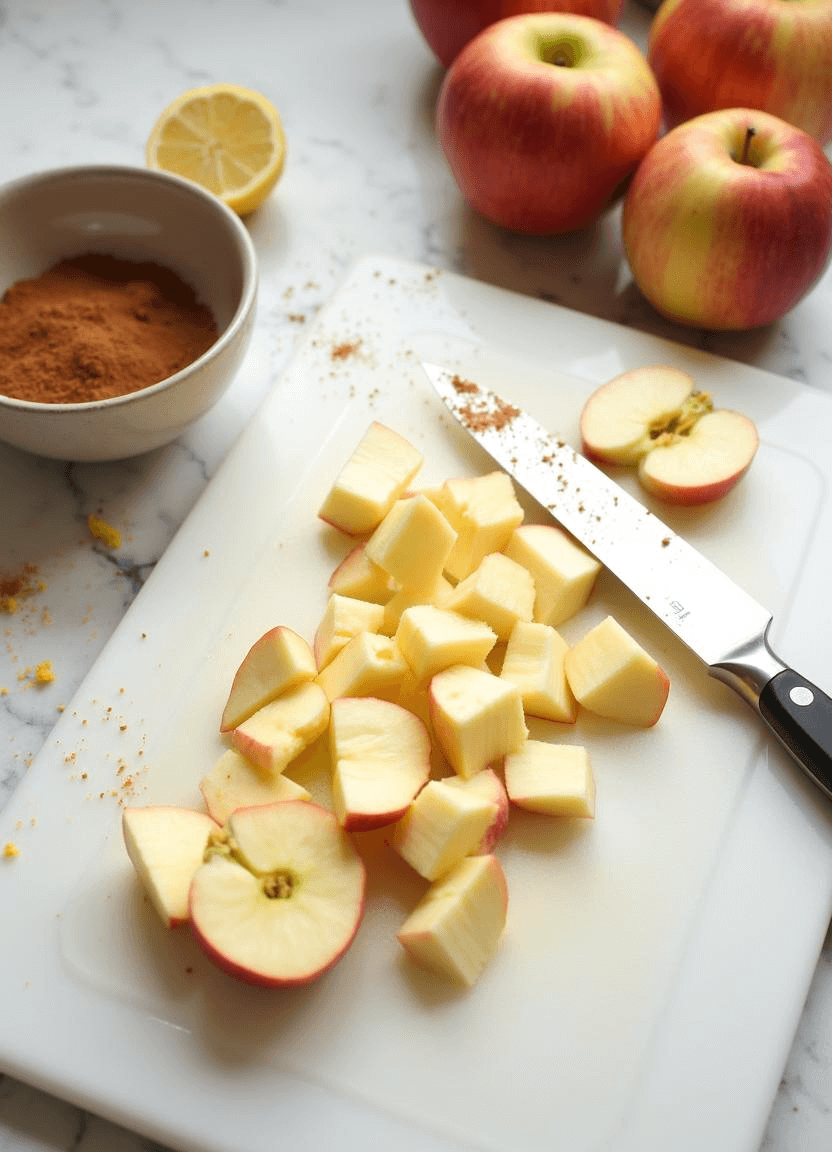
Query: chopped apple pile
[
  {"x": 436, "y": 642},
  {"x": 686, "y": 451}
]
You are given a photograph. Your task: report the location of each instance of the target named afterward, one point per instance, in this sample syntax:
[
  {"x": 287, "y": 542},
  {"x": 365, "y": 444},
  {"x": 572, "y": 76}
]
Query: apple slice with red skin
[
  {"x": 165, "y": 845},
  {"x": 280, "y": 896},
  {"x": 655, "y": 418},
  {"x": 488, "y": 786}
]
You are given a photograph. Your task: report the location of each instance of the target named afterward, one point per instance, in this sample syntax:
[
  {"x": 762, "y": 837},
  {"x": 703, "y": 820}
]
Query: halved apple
[
  {"x": 235, "y": 782},
  {"x": 280, "y": 896},
  {"x": 654, "y": 417},
  {"x": 280, "y": 730},
  {"x": 278, "y": 661},
  {"x": 456, "y": 927},
  {"x": 613, "y": 676},
  {"x": 381, "y": 759},
  {"x": 166, "y": 845}
]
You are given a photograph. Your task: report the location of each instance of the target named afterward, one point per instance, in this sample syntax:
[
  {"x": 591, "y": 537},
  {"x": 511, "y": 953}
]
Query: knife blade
[{"x": 720, "y": 622}]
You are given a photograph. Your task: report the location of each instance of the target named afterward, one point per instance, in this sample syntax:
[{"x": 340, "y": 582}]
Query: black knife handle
[{"x": 800, "y": 715}]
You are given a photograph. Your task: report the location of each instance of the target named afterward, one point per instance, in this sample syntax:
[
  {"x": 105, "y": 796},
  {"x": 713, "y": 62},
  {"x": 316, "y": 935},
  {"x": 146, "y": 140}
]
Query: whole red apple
[
  {"x": 448, "y": 25},
  {"x": 727, "y": 221},
  {"x": 775, "y": 55},
  {"x": 541, "y": 117}
]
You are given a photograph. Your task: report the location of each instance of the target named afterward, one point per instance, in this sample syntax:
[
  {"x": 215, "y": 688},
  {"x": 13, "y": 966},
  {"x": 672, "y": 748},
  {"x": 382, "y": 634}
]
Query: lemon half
[{"x": 227, "y": 139}]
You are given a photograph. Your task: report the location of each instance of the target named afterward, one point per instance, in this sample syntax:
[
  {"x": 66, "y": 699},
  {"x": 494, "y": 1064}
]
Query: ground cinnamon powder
[{"x": 97, "y": 326}]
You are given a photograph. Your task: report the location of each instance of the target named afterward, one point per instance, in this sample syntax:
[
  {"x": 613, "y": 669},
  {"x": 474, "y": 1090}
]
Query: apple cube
[
  {"x": 376, "y": 474},
  {"x": 612, "y": 676},
  {"x": 166, "y": 846},
  {"x": 441, "y": 826},
  {"x": 276, "y": 662},
  {"x": 357, "y": 576},
  {"x": 280, "y": 896},
  {"x": 499, "y": 592},
  {"x": 368, "y": 665},
  {"x": 456, "y": 927},
  {"x": 554, "y": 779},
  {"x": 412, "y": 543},
  {"x": 484, "y": 511},
  {"x": 431, "y": 639},
  {"x": 343, "y": 618},
  {"x": 534, "y": 662},
  {"x": 381, "y": 760},
  {"x": 404, "y": 598},
  {"x": 280, "y": 730},
  {"x": 487, "y": 785},
  {"x": 564, "y": 572},
  {"x": 477, "y": 718},
  {"x": 235, "y": 782}
]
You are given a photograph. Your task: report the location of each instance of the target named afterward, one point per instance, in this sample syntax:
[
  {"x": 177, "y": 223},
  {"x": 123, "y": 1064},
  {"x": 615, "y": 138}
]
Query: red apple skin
[
  {"x": 775, "y": 55},
  {"x": 540, "y": 148},
  {"x": 718, "y": 244},
  {"x": 448, "y": 25}
]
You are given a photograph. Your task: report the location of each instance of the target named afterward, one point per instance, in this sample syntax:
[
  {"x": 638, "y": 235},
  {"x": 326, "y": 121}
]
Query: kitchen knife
[{"x": 714, "y": 617}]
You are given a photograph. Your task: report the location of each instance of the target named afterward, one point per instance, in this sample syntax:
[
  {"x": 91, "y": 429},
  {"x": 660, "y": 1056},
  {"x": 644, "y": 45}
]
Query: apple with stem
[
  {"x": 654, "y": 417},
  {"x": 775, "y": 55},
  {"x": 447, "y": 27},
  {"x": 280, "y": 896},
  {"x": 727, "y": 222},
  {"x": 542, "y": 117}
]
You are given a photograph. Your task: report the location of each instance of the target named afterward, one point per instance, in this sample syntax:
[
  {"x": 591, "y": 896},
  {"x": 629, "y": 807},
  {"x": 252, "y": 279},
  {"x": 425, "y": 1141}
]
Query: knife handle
[{"x": 800, "y": 715}]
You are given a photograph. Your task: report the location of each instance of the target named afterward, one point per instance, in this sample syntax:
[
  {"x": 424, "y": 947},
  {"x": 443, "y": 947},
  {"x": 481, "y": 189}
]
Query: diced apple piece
[
  {"x": 455, "y": 929},
  {"x": 276, "y": 662},
  {"x": 166, "y": 845},
  {"x": 704, "y": 464},
  {"x": 369, "y": 665},
  {"x": 431, "y": 639},
  {"x": 484, "y": 511},
  {"x": 621, "y": 419},
  {"x": 235, "y": 782},
  {"x": 498, "y": 592},
  {"x": 381, "y": 760},
  {"x": 554, "y": 779},
  {"x": 534, "y": 662},
  {"x": 280, "y": 730},
  {"x": 343, "y": 618},
  {"x": 441, "y": 826},
  {"x": 413, "y": 695},
  {"x": 487, "y": 785},
  {"x": 280, "y": 896},
  {"x": 404, "y": 598},
  {"x": 412, "y": 543},
  {"x": 612, "y": 676},
  {"x": 376, "y": 474},
  {"x": 357, "y": 576},
  {"x": 477, "y": 717},
  {"x": 564, "y": 573}
]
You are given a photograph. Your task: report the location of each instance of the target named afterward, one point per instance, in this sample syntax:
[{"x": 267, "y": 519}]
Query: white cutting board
[{"x": 656, "y": 959}]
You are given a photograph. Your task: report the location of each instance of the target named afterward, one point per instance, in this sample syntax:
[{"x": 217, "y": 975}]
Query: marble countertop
[{"x": 83, "y": 82}]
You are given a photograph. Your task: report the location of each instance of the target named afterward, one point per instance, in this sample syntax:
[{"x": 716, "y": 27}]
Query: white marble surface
[{"x": 82, "y": 81}]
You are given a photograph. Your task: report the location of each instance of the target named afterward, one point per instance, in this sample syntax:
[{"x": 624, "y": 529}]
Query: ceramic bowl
[{"x": 135, "y": 214}]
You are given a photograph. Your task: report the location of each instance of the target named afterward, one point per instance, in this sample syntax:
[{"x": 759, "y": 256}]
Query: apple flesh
[
  {"x": 562, "y": 570},
  {"x": 654, "y": 417},
  {"x": 280, "y": 896},
  {"x": 611, "y": 675},
  {"x": 235, "y": 782},
  {"x": 727, "y": 222},
  {"x": 432, "y": 639},
  {"x": 278, "y": 661},
  {"x": 542, "y": 117},
  {"x": 499, "y": 592},
  {"x": 369, "y": 665},
  {"x": 448, "y": 27},
  {"x": 477, "y": 718},
  {"x": 375, "y": 475},
  {"x": 534, "y": 662},
  {"x": 412, "y": 543},
  {"x": 552, "y": 779},
  {"x": 381, "y": 759},
  {"x": 488, "y": 786},
  {"x": 756, "y": 54},
  {"x": 484, "y": 511},
  {"x": 166, "y": 846},
  {"x": 280, "y": 730},
  {"x": 441, "y": 826},
  {"x": 358, "y": 577},
  {"x": 455, "y": 929},
  {"x": 343, "y": 618}
]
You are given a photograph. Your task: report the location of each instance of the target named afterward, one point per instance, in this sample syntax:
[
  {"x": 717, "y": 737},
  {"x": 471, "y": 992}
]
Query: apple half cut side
[
  {"x": 166, "y": 845},
  {"x": 280, "y": 896},
  {"x": 621, "y": 419},
  {"x": 704, "y": 465},
  {"x": 381, "y": 760}
]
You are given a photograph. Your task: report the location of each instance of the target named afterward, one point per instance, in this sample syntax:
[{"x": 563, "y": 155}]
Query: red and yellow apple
[
  {"x": 542, "y": 117},
  {"x": 727, "y": 222},
  {"x": 775, "y": 55},
  {"x": 448, "y": 25}
]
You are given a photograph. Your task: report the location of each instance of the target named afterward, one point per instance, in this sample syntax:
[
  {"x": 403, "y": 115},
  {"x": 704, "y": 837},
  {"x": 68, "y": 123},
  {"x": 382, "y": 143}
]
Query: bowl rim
[{"x": 241, "y": 313}]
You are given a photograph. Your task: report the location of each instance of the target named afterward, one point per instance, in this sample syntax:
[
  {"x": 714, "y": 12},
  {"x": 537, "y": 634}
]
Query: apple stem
[{"x": 749, "y": 134}]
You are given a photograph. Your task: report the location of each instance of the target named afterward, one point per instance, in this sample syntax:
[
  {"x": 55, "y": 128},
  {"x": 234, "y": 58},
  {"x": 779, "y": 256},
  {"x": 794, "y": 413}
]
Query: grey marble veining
[{"x": 83, "y": 81}]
